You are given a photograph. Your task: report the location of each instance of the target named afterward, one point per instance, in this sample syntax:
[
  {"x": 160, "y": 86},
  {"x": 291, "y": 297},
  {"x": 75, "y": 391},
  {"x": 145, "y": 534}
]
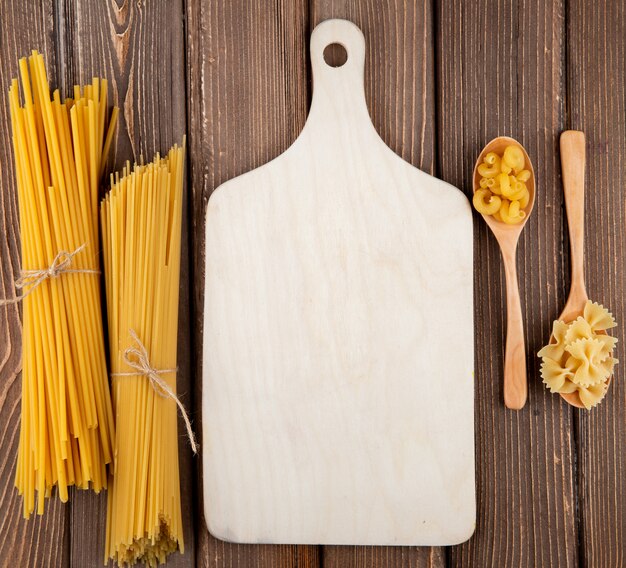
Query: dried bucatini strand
[
  {"x": 141, "y": 232},
  {"x": 67, "y": 430}
]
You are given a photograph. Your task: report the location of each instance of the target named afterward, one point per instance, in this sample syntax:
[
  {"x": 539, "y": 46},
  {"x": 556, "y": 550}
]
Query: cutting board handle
[
  {"x": 338, "y": 92},
  {"x": 344, "y": 33}
]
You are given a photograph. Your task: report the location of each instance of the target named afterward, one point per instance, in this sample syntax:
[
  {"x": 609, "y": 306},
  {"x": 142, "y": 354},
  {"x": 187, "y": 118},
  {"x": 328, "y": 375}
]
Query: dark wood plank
[
  {"x": 596, "y": 87},
  {"x": 139, "y": 48},
  {"x": 501, "y": 71},
  {"x": 384, "y": 557},
  {"x": 247, "y": 89},
  {"x": 399, "y": 87},
  {"x": 399, "y": 70},
  {"x": 41, "y": 541}
]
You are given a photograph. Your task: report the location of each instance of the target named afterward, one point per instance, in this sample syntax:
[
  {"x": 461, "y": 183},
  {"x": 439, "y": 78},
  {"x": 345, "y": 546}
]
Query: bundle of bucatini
[
  {"x": 141, "y": 228},
  {"x": 67, "y": 430}
]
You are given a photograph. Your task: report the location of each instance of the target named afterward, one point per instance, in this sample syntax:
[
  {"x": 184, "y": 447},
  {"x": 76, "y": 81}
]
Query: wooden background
[{"x": 442, "y": 78}]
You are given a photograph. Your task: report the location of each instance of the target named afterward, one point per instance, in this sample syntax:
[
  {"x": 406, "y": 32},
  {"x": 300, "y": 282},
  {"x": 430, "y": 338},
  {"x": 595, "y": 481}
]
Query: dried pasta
[
  {"x": 488, "y": 203},
  {"x": 510, "y": 212},
  {"x": 66, "y": 430},
  {"x": 579, "y": 357},
  {"x": 514, "y": 158},
  {"x": 598, "y": 317},
  {"x": 503, "y": 193},
  {"x": 141, "y": 227}
]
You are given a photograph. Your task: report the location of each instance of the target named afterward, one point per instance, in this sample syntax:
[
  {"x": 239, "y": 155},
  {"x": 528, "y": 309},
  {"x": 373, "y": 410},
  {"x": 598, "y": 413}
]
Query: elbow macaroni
[
  {"x": 486, "y": 203},
  {"x": 511, "y": 213},
  {"x": 503, "y": 193}
]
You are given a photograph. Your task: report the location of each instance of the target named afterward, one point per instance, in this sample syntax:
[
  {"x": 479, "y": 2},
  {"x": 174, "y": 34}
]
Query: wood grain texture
[
  {"x": 139, "y": 48},
  {"x": 41, "y": 541},
  {"x": 500, "y": 69},
  {"x": 515, "y": 384},
  {"x": 247, "y": 93},
  {"x": 501, "y": 72},
  {"x": 400, "y": 94},
  {"x": 383, "y": 557},
  {"x": 327, "y": 415},
  {"x": 573, "y": 150},
  {"x": 572, "y": 146},
  {"x": 596, "y": 104},
  {"x": 399, "y": 70}
]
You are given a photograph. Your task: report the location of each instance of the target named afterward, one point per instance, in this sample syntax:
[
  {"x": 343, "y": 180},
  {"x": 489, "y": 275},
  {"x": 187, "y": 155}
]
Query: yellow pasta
[
  {"x": 505, "y": 185},
  {"x": 598, "y": 316},
  {"x": 503, "y": 176},
  {"x": 524, "y": 200},
  {"x": 555, "y": 375},
  {"x": 67, "y": 430},
  {"x": 556, "y": 348},
  {"x": 592, "y": 365},
  {"x": 485, "y": 202},
  {"x": 513, "y": 157},
  {"x": 141, "y": 227},
  {"x": 578, "y": 329},
  {"x": 592, "y": 395},
  {"x": 505, "y": 168},
  {"x": 579, "y": 357},
  {"x": 489, "y": 171},
  {"x": 517, "y": 190},
  {"x": 511, "y": 213},
  {"x": 492, "y": 159}
]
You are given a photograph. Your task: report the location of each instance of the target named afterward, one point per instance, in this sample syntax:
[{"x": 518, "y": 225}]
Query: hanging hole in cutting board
[{"x": 335, "y": 55}]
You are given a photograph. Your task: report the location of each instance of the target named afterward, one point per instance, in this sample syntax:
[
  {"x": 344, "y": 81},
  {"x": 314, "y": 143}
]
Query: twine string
[
  {"x": 34, "y": 278},
  {"x": 137, "y": 358}
]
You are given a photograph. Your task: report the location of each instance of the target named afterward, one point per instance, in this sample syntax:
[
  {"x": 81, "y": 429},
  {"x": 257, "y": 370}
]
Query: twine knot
[
  {"x": 137, "y": 358},
  {"x": 33, "y": 278}
]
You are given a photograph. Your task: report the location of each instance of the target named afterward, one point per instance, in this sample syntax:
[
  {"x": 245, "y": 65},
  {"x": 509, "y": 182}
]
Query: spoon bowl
[
  {"x": 515, "y": 382},
  {"x": 574, "y": 307},
  {"x": 499, "y": 228}
]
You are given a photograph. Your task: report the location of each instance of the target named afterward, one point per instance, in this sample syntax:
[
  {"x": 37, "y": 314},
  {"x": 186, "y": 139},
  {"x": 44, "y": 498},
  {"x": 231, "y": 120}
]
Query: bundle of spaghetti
[
  {"x": 67, "y": 430},
  {"x": 141, "y": 232}
]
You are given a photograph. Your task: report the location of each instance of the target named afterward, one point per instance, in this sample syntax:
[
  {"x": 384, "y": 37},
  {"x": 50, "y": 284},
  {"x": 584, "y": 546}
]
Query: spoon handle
[
  {"x": 573, "y": 170},
  {"x": 515, "y": 383}
]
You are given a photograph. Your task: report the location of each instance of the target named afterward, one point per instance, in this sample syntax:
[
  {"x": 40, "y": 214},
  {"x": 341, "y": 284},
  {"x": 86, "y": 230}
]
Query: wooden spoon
[
  {"x": 573, "y": 170},
  {"x": 515, "y": 382}
]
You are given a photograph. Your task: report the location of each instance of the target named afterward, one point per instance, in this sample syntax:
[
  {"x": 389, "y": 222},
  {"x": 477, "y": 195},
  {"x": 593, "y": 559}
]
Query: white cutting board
[{"x": 338, "y": 395}]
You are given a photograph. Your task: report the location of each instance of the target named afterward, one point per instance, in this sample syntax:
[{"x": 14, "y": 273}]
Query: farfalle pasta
[
  {"x": 503, "y": 193},
  {"x": 598, "y": 317},
  {"x": 579, "y": 357}
]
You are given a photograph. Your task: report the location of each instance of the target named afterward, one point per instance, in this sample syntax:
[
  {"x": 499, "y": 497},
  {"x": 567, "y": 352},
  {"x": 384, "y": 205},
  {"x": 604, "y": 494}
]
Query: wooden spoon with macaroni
[
  {"x": 572, "y": 144},
  {"x": 515, "y": 381}
]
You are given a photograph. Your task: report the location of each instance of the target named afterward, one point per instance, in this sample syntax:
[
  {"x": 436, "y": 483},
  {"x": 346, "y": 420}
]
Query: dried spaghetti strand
[
  {"x": 141, "y": 232},
  {"x": 67, "y": 430}
]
